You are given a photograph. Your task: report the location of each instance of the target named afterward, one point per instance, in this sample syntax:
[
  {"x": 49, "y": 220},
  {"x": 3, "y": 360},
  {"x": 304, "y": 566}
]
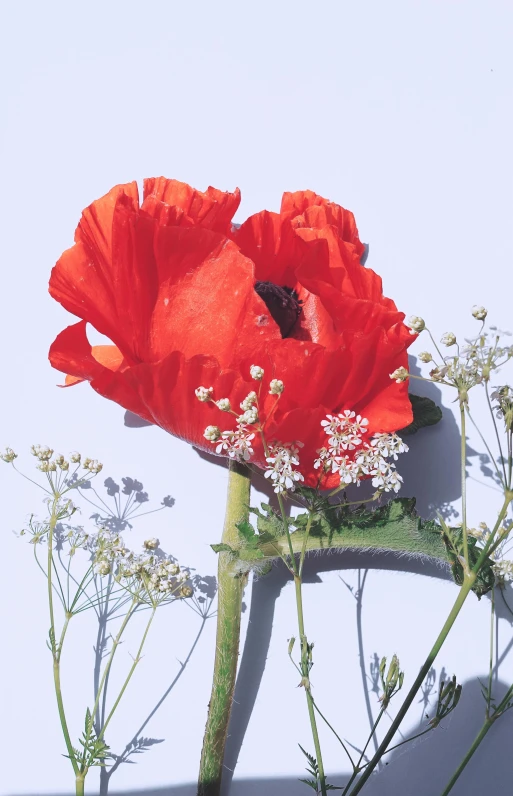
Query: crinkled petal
[{"x": 212, "y": 209}]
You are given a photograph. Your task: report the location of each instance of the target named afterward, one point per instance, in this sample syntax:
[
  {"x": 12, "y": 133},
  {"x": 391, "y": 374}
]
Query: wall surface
[{"x": 400, "y": 111}]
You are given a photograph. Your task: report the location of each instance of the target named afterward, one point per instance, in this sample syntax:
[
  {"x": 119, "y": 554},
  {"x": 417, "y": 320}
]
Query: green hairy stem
[{"x": 231, "y": 585}]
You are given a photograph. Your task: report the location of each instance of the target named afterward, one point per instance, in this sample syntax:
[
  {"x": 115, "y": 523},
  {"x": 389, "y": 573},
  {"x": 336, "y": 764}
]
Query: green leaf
[
  {"x": 247, "y": 531},
  {"x": 486, "y": 578},
  {"x": 425, "y": 413},
  {"x": 222, "y": 548},
  {"x": 268, "y": 522}
]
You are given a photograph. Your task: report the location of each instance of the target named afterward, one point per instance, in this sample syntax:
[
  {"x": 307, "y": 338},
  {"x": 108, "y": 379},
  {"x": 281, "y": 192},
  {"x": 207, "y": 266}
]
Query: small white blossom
[
  {"x": 256, "y": 372},
  {"x": 237, "y": 444},
  {"x": 203, "y": 394},
  {"x": 281, "y": 460},
  {"x": 276, "y": 387},
  {"x": 75, "y": 457},
  {"x": 151, "y": 544},
  {"x": 479, "y": 313},
  {"x": 387, "y": 479},
  {"x": 389, "y": 445},
  {"x": 399, "y": 375},
  {"x": 8, "y": 455},
  {"x": 425, "y": 356},
  {"x": 448, "y": 339},
  {"x": 224, "y": 404},
  {"x": 416, "y": 324},
  {"x": 212, "y": 433}
]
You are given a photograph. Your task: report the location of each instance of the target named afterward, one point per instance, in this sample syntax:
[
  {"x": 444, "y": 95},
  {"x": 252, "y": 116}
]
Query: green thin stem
[
  {"x": 137, "y": 660},
  {"x": 464, "y": 483},
  {"x": 57, "y": 648},
  {"x": 108, "y": 665},
  {"x": 479, "y": 737},
  {"x": 231, "y": 585},
  {"x": 468, "y": 582},
  {"x": 305, "y": 673},
  {"x": 490, "y": 670},
  {"x": 80, "y": 785}
]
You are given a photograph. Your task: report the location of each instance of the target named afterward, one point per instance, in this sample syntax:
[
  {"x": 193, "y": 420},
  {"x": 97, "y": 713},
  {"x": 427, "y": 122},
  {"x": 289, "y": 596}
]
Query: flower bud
[
  {"x": 416, "y": 324},
  {"x": 75, "y": 457},
  {"x": 8, "y": 455},
  {"x": 248, "y": 401},
  {"x": 399, "y": 375},
  {"x": 186, "y": 591},
  {"x": 212, "y": 433},
  {"x": 224, "y": 404},
  {"x": 249, "y": 417},
  {"x": 203, "y": 394},
  {"x": 103, "y": 567},
  {"x": 151, "y": 544},
  {"x": 479, "y": 313},
  {"x": 276, "y": 387},
  {"x": 425, "y": 356},
  {"x": 448, "y": 339},
  {"x": 256, "y": 372}
]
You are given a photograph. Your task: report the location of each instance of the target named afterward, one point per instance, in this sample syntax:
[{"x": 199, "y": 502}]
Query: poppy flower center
[{"x": 282, "y": 303}]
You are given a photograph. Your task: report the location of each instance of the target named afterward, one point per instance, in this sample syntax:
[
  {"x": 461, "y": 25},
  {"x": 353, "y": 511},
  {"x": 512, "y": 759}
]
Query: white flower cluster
[
  {"x": 282, "y": 459},
  {"x": 472, "y": 363},
  {"x": 503, "y": 570},
  {"x": 150, "y": 575},
  {"x": 238, "y": 443},
  {"x": 8, "y": 455},
  {"x": 48, "y": 465},
  {"x": 503, "y": 404},
  {"x": 345, "y": 432}
]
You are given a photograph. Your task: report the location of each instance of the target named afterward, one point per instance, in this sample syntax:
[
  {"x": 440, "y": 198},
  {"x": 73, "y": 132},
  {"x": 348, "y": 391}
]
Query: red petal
[
  {"x": 308, "y": 209},
  {"x": 269, "y": 240},
  {"x": 212, "y": 209},
  {"x": 206, "y": 302}
]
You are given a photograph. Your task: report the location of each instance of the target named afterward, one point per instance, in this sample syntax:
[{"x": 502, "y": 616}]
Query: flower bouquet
[{"x": 271, "y": 345}]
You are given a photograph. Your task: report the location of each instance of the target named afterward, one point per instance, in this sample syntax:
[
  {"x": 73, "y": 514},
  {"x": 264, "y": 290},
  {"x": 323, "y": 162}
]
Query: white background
[{"x": 400, "y": 111}]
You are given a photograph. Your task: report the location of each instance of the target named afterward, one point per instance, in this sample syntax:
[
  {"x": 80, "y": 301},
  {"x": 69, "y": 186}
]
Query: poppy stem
[{"x": 231, "y": 585}]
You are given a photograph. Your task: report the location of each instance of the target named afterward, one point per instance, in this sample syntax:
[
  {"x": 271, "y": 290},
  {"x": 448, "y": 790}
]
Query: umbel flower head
[{"x": 188, "y": 299}]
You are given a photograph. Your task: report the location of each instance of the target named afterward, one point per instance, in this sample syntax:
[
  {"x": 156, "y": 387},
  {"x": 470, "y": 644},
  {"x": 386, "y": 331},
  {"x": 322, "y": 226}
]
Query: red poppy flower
[{"x": 190, "y": 300}]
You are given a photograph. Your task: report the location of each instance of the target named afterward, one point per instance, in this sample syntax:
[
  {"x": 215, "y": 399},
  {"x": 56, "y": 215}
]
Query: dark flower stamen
[{"x": 282, "y": 303}]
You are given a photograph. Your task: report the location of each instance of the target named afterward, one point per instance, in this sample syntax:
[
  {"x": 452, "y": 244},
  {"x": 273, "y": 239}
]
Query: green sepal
[{"x": 425, "y": 413}]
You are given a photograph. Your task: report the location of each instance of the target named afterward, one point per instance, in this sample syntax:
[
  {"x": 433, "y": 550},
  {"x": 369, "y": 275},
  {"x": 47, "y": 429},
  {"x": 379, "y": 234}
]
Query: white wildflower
[
  {"x": 249, "y": 418},
  {"x": 203, "y": 394},
  {"x": 248, "y": 401},
  {"x": 399, "y": 375},
  {"x": 276, "y": 387},
  {"x": 479, "y": 313},
  {"x": 151, "y": 544},
  {"x": 8, "y": 455},
  {"x": 416, "y": 324},
  {"x": 281, "y": 461},
  {"x": 425, "y": 356},
  {"x": 256, "y": 372},
  {"x": 448, "y": 339},
  {"x": 236, "y": 444},
  {"x": 224, "y": 404},
  {"x": 212, "y": 433}
]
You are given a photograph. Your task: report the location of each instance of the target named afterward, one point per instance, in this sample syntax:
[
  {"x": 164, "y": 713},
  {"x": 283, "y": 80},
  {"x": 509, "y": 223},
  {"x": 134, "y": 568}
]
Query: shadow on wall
[{"x": 422, "y": 769}]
